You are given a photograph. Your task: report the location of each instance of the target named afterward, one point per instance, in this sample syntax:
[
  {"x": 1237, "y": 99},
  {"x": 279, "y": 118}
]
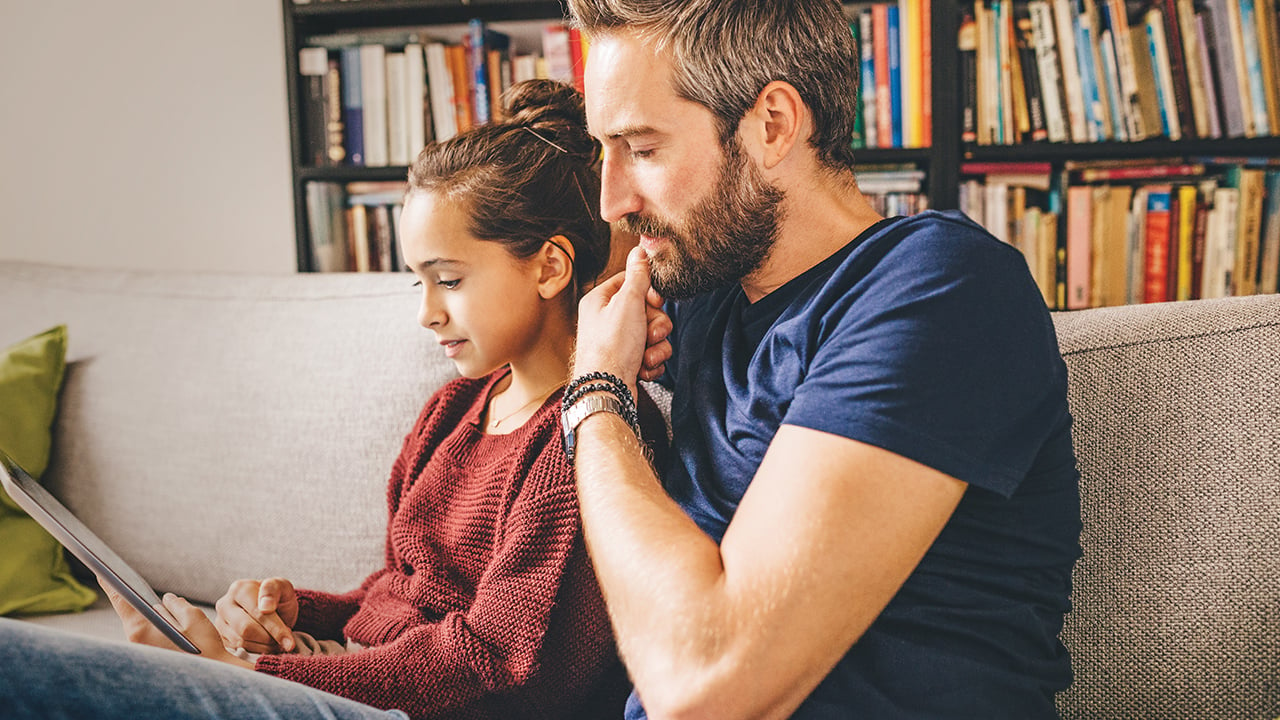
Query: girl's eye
[
  {"x": 448, "y": 284},
  {"x": 417, "y": 283}
]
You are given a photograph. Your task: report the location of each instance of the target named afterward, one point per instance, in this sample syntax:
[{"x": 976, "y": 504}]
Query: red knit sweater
[{"x": 487, "y": 606}]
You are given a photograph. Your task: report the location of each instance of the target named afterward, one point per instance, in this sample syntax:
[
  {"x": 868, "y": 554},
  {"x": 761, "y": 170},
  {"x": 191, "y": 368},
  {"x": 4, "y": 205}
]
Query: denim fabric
[{"x": 49, "y": 675}]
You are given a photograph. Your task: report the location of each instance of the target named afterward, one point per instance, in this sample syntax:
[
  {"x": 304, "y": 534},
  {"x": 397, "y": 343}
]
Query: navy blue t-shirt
[{"x": 927, "y": 337}]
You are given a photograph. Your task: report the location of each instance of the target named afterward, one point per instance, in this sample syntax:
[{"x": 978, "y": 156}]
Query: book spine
[
  {"x": 1111, "y": 83},
  {"x": 926, "y": 80},
  {"x": 1164, "y": 74},
  {"x": 335, "y": 151},
  {"x": 1177, "y": 64},
  {"x": 1269, "y": 270},
  {"x": 1088, "y": 78},
  {"x": 1047, "y": 64},
  {"x": 1156, "y": 276},
  {"x": 895, "y": 75},
  {"x": 352, "y": 105},
  {"x": 1186, "y": 241},
  {"x": 313, "y": 66},
  {"x": 1072, "y": 89},
  {"x": 884, "y": 101},
  {"x": 1194, "y": 73},
  {"x": 867, "y": 83},
  {"x": 1241, "y": 89},
  {"x": 373, "y": 89},
  {"x": 478, "y": 70},
  {"x": 1079, "y": 246},
  {"x": 1253, "y": 67}
]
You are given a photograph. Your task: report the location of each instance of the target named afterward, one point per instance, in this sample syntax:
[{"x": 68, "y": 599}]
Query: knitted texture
[
  {"x": 1176, "y": 601},
  {"x": 487, "y": 606}
]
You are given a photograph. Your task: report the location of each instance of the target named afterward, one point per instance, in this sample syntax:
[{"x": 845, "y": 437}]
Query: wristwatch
[{"x": 583, "y": 409}]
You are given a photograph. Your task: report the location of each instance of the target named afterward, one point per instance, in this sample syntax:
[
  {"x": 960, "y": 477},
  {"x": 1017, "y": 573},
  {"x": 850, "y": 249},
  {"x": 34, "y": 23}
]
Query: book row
[
  {"x": 375, "y": 98},
  {"x": 895, "y": 78},
  {"x": 1097, "y": 235},
  {"x": 1097, "y": 70},
  {"x": 354, "y": 227}
]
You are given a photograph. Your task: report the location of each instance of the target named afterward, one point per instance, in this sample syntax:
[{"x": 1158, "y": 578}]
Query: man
[{"x": 873, "y": 510}]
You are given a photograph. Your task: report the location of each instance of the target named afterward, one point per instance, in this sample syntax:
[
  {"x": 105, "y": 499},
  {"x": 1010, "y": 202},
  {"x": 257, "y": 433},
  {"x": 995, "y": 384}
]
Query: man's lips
[{"x": 651, "y": 243}]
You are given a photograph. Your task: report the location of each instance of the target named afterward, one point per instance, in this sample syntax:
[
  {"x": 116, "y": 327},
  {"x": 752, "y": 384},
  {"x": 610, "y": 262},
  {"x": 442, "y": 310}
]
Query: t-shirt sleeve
[{"x": 944, "y": 353}]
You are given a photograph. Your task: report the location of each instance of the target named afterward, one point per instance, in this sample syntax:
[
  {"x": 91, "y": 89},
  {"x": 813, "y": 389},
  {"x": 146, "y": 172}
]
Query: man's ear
[
  {"x": 773, "y": 126},
  {"x": 555, "y": 266}
]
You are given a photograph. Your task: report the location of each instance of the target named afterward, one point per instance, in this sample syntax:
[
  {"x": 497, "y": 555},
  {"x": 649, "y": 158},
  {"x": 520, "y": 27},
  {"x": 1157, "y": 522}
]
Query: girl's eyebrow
[{"x": 440, "y": 262}]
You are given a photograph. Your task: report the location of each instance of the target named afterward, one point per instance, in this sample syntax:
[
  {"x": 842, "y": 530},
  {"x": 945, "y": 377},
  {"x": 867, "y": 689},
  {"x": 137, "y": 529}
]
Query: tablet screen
[{"x": 110, "y": 568}]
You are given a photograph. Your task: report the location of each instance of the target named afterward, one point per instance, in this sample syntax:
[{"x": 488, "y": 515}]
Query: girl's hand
[
  {"x": 190, "y": 620},
  {"x": 259, "y": 615}
]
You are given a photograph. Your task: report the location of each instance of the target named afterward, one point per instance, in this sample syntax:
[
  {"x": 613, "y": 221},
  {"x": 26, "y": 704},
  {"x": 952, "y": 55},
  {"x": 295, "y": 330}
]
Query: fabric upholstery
[
  {"x": 217, "y": 427},
  {"x": 1177, "y": 433}
]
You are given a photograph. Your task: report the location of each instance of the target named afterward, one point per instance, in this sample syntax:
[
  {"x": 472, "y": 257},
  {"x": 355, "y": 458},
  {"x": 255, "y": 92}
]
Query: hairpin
[{"x": 538, "y": 135}]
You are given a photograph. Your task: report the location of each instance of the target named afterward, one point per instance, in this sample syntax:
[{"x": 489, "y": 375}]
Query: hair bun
[{"x": 556, "y": 111}]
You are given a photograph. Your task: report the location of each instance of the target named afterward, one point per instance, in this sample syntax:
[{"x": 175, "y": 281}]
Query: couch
[{"x": 215, "y": 427}]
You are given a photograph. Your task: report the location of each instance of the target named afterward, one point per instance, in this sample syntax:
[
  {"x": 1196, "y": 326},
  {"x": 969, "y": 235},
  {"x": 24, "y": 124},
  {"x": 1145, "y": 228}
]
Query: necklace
[{"x": 493, "y": 424}]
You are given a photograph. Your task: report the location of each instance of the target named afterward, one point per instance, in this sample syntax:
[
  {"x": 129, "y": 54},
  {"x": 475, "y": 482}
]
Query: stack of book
[
  {"x": 893, "y": 189},
  {"x": 375, "y": 98},
  {"x": 1096, "y": 70},
  {"x": 355, "y": 227},
  {"x": 895, "y": 78},
  {"x": 1113, "y": 233}
]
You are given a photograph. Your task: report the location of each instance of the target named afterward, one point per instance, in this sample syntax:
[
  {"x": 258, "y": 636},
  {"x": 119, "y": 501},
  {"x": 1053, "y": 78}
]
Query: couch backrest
[
  {"x": 1176, "y": 602},
  {"x": 216, "y": 427}
]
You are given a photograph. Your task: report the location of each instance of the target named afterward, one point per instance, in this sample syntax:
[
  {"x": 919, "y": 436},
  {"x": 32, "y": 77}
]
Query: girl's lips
[{"x": 452, "y": 347}]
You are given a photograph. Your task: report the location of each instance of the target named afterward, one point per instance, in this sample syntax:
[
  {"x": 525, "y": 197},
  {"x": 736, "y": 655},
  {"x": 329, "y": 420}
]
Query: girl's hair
[
  {"x": 724, "y": 53},
  {"x": 527, "y": 178}
]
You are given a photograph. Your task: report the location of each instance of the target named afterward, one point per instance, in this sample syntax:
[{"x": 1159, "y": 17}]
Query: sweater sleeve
[{"x": 465, "y": 659}]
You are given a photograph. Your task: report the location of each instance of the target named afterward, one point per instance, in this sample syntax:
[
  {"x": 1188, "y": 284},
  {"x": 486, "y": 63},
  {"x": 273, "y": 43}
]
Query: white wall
[{"x": 149, "y": 134}]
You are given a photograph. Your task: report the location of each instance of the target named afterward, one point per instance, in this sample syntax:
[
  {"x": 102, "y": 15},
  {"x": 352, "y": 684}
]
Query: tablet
[{"x": 45, "y": 509}]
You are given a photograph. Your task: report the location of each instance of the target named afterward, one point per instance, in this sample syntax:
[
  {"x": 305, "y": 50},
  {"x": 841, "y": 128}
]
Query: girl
[{"x": 487, "y": 606}]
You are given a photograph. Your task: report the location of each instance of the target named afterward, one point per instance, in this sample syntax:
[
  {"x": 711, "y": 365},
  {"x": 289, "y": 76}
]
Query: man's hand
[
  {"x": 621, "y": 326},
  {"x": 259, "y": 615},
  {"x": 190, "y": 620}
]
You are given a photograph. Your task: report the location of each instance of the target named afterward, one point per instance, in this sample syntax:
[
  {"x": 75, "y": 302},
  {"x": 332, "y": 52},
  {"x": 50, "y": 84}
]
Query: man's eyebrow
[{"x": 629, "y": 131}]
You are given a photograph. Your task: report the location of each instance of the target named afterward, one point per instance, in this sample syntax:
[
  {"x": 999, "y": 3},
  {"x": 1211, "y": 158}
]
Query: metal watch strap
[{"x": 583, "y": 409}]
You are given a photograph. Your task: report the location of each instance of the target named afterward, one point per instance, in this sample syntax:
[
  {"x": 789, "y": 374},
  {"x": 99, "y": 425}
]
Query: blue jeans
[{"x": 50, "y": 675}]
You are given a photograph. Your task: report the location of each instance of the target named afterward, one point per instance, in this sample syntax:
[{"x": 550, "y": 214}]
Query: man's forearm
[{"x": 661, "y": 575}]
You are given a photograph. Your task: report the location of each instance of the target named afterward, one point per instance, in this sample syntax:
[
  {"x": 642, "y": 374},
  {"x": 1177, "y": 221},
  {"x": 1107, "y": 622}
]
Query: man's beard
[{"x": 725, "y": 238}]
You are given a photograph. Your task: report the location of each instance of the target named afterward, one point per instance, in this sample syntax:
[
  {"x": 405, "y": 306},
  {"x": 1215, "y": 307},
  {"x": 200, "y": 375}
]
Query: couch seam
[{"x": 1188, "y": 336}]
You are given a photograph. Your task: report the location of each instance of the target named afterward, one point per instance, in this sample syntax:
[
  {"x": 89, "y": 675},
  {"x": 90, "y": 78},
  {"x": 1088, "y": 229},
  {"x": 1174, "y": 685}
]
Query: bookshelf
[{"x": 941, "y": 159}]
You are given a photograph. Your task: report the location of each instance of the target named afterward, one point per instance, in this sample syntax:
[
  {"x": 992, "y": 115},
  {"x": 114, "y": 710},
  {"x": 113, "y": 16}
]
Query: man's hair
[
  {"x": 724, "y": 52},
  {"x": 527, "y": 178}
]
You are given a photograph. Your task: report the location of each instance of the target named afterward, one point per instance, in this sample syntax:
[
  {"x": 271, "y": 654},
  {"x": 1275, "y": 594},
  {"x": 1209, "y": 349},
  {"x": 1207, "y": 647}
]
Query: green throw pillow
[{"x": 34, "y": 575}]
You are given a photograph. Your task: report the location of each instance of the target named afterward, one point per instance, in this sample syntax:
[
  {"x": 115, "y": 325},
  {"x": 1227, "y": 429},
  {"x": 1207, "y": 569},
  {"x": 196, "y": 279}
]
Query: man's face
[{"x": 704, "y": 214}]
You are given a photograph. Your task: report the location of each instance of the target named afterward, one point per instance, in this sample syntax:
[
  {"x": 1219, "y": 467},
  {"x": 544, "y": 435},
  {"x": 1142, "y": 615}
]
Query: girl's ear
[{"x": 555, "y": 266}]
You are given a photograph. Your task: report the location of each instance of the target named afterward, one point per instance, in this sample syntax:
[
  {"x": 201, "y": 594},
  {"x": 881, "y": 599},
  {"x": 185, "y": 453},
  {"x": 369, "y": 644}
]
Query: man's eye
[{"x": 642, "y": 154}]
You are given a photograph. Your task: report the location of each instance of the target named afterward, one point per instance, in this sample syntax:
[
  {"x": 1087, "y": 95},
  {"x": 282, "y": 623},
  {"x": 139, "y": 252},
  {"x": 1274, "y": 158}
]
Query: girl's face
[{"x": 482, "y": 304}]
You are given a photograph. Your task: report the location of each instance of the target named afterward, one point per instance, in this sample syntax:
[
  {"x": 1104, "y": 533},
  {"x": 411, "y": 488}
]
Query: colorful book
[
  {"x": 1159, "y": 222},
  {"x": 884, "y": 101},
  {"x": 894, "y": 36},
  {"x": 1056, "y": 110},
  {"x": 1072, "y": 89},
  {"x": 352, "y": 105},
  {"x": 1253, "y": 67},
  {"x": 1079, "y": 246},
  {"x": 867, "y": 79}
]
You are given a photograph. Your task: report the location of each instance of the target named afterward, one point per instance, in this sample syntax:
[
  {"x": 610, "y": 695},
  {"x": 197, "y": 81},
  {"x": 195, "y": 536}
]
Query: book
[
  {"x": 1251, "y": 184},
  {"x": 1072, "y": 90},
  {"x": 1145, "y": 75},
  {"x": 1194, "y": 74},
  {"x": 1030, "y": 74},
  {"x": 1236, "y": 47},
  {"x": 884, "y": 111},
  {"x": 1079, "y": 246},
  {"x": 867, "y": 80},
  {"x": 327, "y": 226},
  {"x": 1096, "y": 121},
  {"x": 1204, "y": 195},
  {"x": 440, "y": 87},
  {"x": 1223, "y": 60},
  {"x": 456, "y": 59},
  {"x": 1186, "y": 225},
  {"x": 416, "y": 113},
  {"x": 894, "y": 46},
  {"x": 986, "y": 76},
  {"x": 1136, "y": 245},
  {"x": 313, "y": 66},
  {"x": 1159, "y": 222},
  {"x": 1109, "y": 75},
  {"x": 926, "y": 81},
  {"x": 373, "y": 97},
  {"x": 1159, "y": 49},
  {"x": 1253, "y": 67},
  {"x": 1176, "y": 58},
  {"x": 1269, "y": 252},
  {"x": 1220, "y": 243},
  {"x": 556, "y": 51},
  {"x": 352, "y": 105},
  {"x": 1268, "y": 15},
  {"x": 1110, "y": 255},
  {"x": 335, "y": 150},
  {"x": 913, "y": 71},
  {"x": 1047, "y": 65},
  {"x": 397, "y": 112},
  {"x": 1212, "y": 110}
]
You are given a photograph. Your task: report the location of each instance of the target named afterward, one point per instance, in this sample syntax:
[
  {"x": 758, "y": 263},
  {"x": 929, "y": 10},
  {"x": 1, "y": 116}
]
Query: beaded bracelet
[{"x": 592, "y": 382}]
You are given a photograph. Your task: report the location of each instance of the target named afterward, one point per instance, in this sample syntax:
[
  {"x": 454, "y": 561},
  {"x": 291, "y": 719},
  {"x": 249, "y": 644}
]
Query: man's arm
[{"x": 826, "y": 534}]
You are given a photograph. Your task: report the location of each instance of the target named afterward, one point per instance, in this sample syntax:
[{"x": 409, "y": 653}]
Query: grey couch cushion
[
  {"x": 1177, "y": 428},
  {"x": 245, "y": 424}
]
